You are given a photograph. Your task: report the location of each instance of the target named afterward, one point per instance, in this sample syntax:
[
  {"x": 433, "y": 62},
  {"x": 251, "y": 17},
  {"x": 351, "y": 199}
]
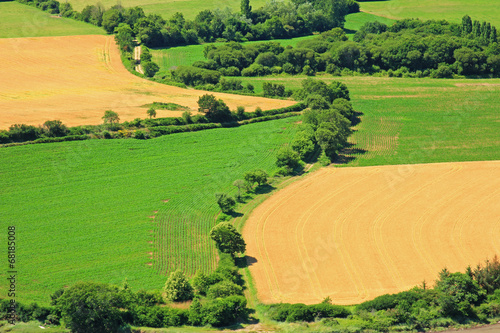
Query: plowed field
[
  {"x": 357, "y": 233},
  {"x": 76, "y": 78}
]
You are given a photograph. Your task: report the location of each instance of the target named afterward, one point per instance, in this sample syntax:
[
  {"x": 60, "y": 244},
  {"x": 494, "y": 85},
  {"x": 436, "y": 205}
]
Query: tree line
[
  {"x": 273, "y": 20},
  {"x": 409, "y": 47}
]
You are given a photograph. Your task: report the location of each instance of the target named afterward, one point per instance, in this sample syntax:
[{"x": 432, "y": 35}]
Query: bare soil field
[
  {"x": 76, "y": 78},
  {"x": 356, "y": 233}
]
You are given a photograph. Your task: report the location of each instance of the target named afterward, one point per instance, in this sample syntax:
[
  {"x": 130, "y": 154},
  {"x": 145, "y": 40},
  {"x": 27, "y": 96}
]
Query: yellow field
[
  {"x": 76, "y": 78},
  {"x": 357, "y": 233}
]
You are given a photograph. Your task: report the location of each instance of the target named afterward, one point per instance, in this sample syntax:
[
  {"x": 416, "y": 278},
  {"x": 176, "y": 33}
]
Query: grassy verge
[{"x": 18, "y": 20}]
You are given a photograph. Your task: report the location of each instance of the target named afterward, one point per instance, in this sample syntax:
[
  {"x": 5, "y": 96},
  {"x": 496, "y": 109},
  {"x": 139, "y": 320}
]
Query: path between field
[
  {"x": 356, "y": 233},
  {"x": 137, "y": 58},
  {"x": 76, "y": 78}
]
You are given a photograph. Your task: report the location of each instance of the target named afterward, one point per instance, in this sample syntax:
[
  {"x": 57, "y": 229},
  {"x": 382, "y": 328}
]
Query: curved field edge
[
  {"x": 328, "y": 235},
  {"x": 106, "y": 210},
  {"x": 84, "y": 78}
]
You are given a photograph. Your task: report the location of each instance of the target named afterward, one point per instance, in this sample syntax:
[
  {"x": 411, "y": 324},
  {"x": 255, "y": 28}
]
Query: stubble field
[
  {"x": 356, "y": 233},
  {"x": 76, "y": 78}
]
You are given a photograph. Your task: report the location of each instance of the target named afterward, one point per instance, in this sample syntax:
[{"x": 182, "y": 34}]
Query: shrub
[
  {"x": 177, "y": 288},
  {"x": 224, "y": 289},
  {"x": 193, "y": 76}
]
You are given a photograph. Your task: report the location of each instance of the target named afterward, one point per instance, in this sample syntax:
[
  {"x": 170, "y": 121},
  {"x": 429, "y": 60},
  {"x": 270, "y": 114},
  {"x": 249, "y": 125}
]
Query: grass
[
  {"x": 18, "y": 20},
  {"x": 451, "y": 10},
  {"x": 98, "y": 210},
  {"x": 167, "y": 8},
  {"x": 407, "y": 121}
]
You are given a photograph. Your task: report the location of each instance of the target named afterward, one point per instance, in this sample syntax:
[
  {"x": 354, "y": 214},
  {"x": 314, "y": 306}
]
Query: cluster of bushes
[
  {"x": 301, "y": 312},
  {"x": 410, "y": 47},
  {"x": 50, "y": 131},
  {"x": 99, "y": 307}
]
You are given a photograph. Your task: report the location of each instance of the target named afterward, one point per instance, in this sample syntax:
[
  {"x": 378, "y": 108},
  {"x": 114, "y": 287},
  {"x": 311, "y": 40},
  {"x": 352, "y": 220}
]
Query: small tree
[
  {"x": 151, "y": 113},
  {"x": 287, "y": 158},
  {"x": 256, "y": 176},
  {"x": 239, "y": 183},
  {"x": 227, "y": 238},
  {"x": 186, "y": 115},
  {"x": 225, "y": 202},
  {"x": 55, "y": 128},
  {"x": 178, "y": 288},
  {"x": 110, "y": 117},
  {"x": 215, "y": 110}
]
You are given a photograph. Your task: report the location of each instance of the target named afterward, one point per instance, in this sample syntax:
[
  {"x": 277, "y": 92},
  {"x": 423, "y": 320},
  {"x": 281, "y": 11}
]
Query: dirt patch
[
  {"x": 76, "y": 78},
  {"x": 356, "y": 233}
]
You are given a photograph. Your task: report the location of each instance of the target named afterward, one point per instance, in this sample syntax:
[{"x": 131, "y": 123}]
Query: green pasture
[
  {"x": 451, "y": 10},
  {"x": 166, "y": 8},
  {"x": 18, "y": 20},
  {"x": 98, "y": 210},
  {"x": 408, "y": 120}
]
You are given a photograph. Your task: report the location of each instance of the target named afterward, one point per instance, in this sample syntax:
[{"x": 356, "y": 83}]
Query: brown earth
[
  {"x": 76, "y": 78},
  {"x": 356, "y": 233}
]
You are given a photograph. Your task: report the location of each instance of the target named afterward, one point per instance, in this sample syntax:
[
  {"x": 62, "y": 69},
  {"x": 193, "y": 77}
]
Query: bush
[
  {"x": 193, "y": 76},
  {"x": 177, "y": 288},
  {"x": 224, "y": 289}
]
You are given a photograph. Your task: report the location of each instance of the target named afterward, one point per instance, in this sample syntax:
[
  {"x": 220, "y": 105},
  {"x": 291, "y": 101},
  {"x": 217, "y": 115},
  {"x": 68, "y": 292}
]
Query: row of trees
[
  {"x": 274, "y": 20},
  {"x": 426, "y": 48}
]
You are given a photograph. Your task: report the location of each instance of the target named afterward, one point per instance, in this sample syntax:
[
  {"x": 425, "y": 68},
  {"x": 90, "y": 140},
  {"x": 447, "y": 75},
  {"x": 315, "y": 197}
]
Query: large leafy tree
[
  {"x": 215, "y": 109},
  {"x": 89, "y": 307},
  {"x": 227, "y": 238}
]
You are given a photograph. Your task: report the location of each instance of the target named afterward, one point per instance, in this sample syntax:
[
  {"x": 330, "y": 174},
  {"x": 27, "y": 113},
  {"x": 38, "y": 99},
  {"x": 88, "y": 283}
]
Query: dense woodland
[{"x": 408, "y": 48}]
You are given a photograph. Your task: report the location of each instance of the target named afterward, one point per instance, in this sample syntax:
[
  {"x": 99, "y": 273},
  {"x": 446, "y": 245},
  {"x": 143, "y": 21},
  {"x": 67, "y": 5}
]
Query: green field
[
  {"x": 419, "y": 120},
  {"x": 18, "y": 20},
  {"x": 83, "y": 211},
  {"x": 166, "y": 8},
  {"x": 451, "y": 10}
]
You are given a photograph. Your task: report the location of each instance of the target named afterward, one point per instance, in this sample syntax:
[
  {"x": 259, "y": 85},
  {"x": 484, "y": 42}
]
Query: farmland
[
  {"x": 451, "y": 10},
  {"x": 81, "y": 80},
  {"x": 17, "y": 20},
  {"x": 409, "y": 120},
  {"x": 356, "y": 233},
  {"x": 105, "y": 210}
]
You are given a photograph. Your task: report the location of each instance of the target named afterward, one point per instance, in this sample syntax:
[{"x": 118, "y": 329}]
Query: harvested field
[
  {"x": 76, "y": 78},
  {"x": 357, "y": 233}
]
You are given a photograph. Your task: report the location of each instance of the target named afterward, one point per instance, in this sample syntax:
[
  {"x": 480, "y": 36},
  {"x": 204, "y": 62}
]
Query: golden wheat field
[
  {"x": 76, "y": 78},
  {"x": 356, "y": 233}
]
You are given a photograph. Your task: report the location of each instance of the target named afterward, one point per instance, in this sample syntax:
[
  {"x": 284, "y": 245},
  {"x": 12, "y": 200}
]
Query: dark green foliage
[
  {"x": 458, "y": 293},
  {"x": 304, "y": 142},
  {"x": 91, "y": 307},
  {"x": 111, "y": 19},
  {"x": 288, "y": 159},
  {"x": 223, "y": 311},
  {"x": 225, "y": 202},
  {"x": 150, "y": 68},
  {"x": 227, "y": 238},
  {"x": 193, "y": 76},
  {"x": 488, "y": 276},
  {"x": 124, "y": 36},
  {"x": 22, "y": 132},
  {"x": 214, "y": 109},
  {"x": 256, "y": 176},
  {"x": 301, "y": 312},
  {"x": 273, "y": 89},
  {"x": 110, "y": 117},
  {"x": 55, "y": 128},
  {"x": 224, "y": 289},
  {"x": 177, "y": 288}
]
